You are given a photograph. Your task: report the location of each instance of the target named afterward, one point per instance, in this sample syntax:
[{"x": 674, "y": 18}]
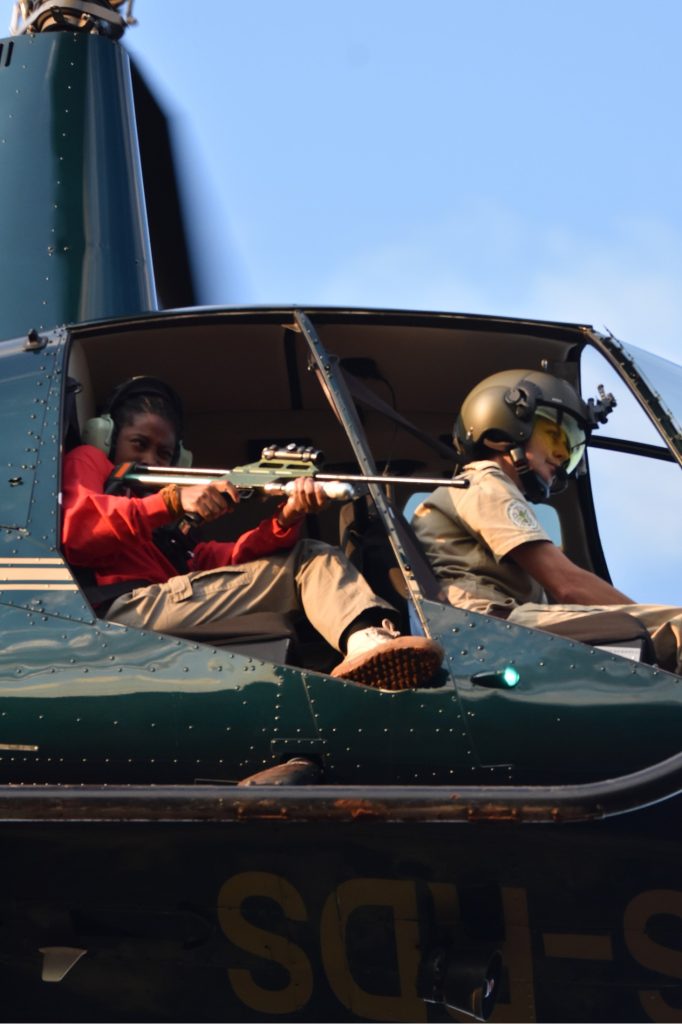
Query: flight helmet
[{"x": 503, "y": 408}]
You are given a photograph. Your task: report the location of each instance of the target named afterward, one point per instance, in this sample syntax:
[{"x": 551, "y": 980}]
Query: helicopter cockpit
[{"x": 248, "y": 380}]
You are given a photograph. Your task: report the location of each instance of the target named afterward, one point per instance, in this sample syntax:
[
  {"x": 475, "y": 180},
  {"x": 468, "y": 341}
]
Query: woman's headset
[{"x": 100, "y": 431}]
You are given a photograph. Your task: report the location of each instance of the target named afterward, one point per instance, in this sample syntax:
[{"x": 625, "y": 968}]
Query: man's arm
[{"x": 562, "y": 579}]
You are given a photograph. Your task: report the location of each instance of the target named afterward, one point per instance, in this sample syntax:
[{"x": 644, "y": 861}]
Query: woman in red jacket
[{"x": 267, "y": 569}]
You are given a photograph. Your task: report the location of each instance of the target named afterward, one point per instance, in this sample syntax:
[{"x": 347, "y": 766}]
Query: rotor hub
[{"x": 98, "y": 17}]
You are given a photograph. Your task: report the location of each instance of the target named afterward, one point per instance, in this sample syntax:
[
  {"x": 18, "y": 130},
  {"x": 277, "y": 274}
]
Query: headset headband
[{"x": 139, "y": 386}]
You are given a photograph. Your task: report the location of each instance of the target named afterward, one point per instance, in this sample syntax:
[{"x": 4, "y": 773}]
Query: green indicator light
[
  {"x": 503, "y": 679},
  {"x": 510, "y": 676}
]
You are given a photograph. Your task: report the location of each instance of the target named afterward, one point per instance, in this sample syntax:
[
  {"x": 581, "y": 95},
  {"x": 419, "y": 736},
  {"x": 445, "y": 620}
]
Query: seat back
[{"x": 79, "y": 371}]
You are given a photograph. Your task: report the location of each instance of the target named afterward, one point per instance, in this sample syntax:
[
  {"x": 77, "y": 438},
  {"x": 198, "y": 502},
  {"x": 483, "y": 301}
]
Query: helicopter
[{"x": 502, "y": 844}]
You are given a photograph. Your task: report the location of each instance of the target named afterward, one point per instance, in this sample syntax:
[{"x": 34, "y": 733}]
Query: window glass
[
  {"x": 549, "y": 520},
  {"x": 637, "y": 500},
  {"x": 663, "y": 377}
]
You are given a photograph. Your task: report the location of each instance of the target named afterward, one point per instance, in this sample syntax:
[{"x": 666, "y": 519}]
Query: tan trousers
[
  {"x": 313, "y": 578},
  {"x": 664, "y": 623}
]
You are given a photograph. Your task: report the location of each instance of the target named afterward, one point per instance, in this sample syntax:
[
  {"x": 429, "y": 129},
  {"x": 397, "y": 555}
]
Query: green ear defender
[{"x": 100, "y": 431}]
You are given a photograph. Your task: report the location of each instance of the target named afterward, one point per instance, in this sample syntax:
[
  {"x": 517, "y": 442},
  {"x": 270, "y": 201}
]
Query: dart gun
[{"x": 274, "y": 474}]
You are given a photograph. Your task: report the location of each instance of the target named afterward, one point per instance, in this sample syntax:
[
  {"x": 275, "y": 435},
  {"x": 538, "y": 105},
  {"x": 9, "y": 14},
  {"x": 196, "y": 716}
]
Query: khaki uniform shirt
[{"x": 467, "y": 533}]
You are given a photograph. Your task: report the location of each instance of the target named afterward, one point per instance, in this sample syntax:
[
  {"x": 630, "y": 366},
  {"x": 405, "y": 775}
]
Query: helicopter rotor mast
[
  {"x": 72, "y": 193},
  {"x": 100, "y": 17}
]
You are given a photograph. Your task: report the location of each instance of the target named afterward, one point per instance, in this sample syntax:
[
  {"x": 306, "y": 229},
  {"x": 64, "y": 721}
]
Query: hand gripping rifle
[{"x": 273, "y": 474}]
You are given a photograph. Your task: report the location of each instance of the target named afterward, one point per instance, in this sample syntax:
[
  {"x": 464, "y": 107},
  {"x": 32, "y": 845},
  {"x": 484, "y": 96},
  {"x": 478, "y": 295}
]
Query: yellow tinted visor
[{"x": 574, "y": 434}]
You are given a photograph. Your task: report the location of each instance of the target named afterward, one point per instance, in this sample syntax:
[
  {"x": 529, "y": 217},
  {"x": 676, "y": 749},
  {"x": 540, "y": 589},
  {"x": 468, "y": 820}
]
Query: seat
[
  {"x": 412, "y": 502},
  {"x": 364, "y": 541}
]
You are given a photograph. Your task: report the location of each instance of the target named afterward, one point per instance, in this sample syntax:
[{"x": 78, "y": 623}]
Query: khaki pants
[
  {"x": 313, "y": 578},
  {"x": 664, "y": 623}
]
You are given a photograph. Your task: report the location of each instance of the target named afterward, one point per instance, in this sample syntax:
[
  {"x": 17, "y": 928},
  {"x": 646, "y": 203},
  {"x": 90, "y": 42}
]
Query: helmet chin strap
[
  {"x": 560, "y": 482},
  {"x": 533, "y": 486}
]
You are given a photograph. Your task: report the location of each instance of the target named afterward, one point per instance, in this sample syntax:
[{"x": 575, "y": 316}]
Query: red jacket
[{"x": 113, "y": 534}]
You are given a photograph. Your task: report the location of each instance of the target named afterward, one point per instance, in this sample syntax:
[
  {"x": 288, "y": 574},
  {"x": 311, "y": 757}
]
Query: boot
[{"x": 379, "y": 656}]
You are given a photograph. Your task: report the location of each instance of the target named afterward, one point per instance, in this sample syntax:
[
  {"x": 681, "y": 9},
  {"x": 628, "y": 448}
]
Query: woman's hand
[
  {"x": 307, "y": 497},
  {"x": 210, "y": 501}
]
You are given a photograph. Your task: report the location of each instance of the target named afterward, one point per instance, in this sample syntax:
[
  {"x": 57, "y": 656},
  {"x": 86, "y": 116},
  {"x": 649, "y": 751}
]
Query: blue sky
[
  {"x": 506, "y": 157},
  {"x": 516, "y": 157}
]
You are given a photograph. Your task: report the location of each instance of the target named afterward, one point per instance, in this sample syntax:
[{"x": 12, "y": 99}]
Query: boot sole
[{"x": 402, "y": 664}]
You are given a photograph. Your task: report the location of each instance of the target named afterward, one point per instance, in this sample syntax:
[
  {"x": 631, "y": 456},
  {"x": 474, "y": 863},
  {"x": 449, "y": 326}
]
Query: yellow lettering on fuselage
[
  {"x": 400, "y": 896},
  {"x": 267, "y": 945},
  {"x": 403, "y": 936},
  {"x": 651, "y": 954}
]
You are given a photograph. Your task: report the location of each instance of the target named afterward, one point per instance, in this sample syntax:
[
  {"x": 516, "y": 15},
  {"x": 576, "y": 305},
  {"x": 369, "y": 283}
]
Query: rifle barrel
[
  {"x": 184, "y": 475},
  {"x": 418, "y": 481}
]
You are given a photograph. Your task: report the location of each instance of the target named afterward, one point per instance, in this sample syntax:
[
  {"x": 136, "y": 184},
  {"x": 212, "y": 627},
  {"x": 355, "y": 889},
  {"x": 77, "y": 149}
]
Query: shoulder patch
[{"x": 521, "y": 516}]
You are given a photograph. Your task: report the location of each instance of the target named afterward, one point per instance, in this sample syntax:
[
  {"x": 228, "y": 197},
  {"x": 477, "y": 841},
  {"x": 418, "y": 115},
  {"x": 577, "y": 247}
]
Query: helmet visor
[{"x": 574, "y": 434}]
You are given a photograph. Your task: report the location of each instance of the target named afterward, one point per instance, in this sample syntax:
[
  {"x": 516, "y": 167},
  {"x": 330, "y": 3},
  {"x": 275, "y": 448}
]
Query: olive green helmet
[{"x": 503, "y": 407}]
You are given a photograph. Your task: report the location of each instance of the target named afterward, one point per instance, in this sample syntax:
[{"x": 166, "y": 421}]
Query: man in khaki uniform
[{"x": 521, "y": 433}]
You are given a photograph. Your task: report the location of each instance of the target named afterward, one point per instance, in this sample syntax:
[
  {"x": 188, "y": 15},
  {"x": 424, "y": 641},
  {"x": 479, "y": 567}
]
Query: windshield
[
  {"x": 663, "y": 379},
  {"x": 636, "y": 499}
]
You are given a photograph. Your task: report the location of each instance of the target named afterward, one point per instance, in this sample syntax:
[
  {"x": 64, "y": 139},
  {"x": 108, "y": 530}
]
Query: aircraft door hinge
[{"x": 35, "y": 342}]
